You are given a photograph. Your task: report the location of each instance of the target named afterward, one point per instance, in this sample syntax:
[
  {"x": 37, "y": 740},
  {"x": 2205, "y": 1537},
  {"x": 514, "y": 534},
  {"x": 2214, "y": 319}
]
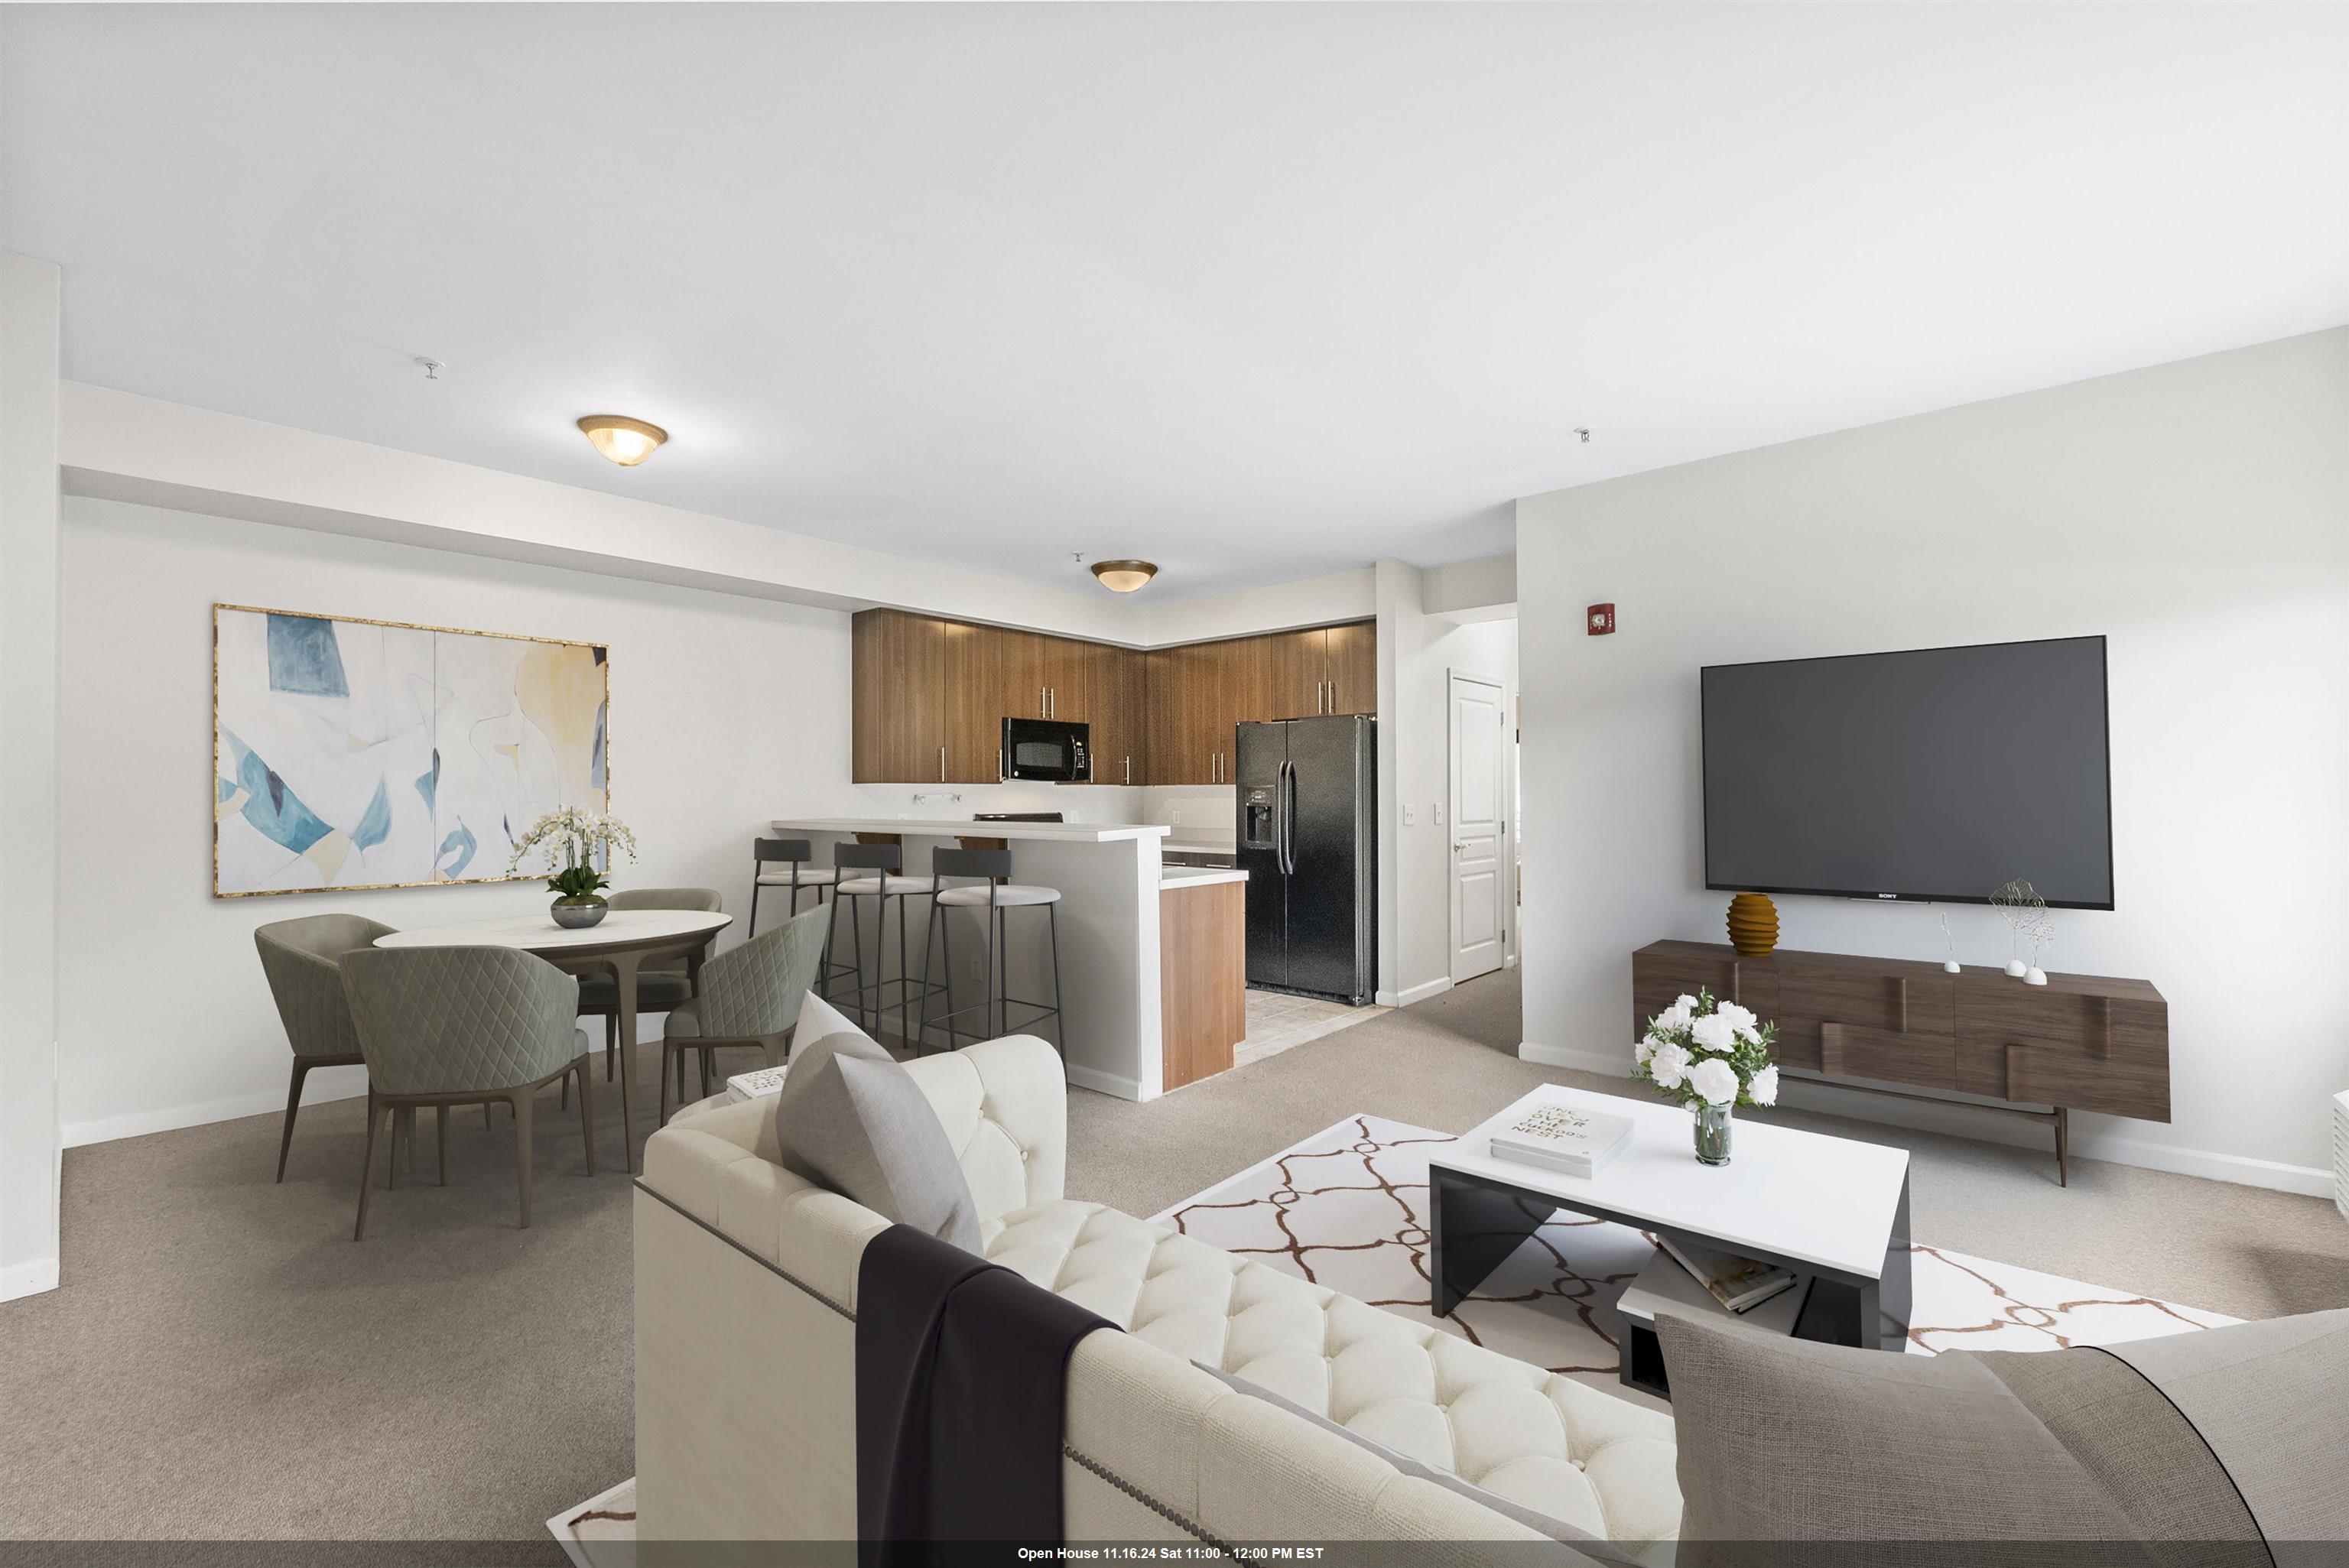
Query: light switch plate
[
  {"x": 1410, "y": 816},
  {"x": 1439, "y": 813}
]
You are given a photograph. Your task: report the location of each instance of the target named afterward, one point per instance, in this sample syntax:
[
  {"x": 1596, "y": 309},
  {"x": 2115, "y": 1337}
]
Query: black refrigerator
[{"x": 1308, "y": 836}]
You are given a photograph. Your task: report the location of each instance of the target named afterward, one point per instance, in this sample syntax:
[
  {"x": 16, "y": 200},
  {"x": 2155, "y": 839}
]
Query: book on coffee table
[
  {"x": 1738, "y": 1284},
  {"x": 756, "y": 1085},
  {"x": 1562, "y": 1138}
]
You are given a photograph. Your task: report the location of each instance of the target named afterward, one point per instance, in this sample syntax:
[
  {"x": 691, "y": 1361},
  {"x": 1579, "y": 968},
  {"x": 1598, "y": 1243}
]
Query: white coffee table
[{"x": 1832, "y": 1209}]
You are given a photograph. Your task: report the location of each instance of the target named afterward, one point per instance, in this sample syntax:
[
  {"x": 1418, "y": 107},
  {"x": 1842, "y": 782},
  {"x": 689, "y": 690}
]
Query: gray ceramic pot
[{"x": 579, "y": 913}]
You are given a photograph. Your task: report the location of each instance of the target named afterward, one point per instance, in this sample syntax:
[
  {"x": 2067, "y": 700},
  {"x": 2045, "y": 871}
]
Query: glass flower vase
[{"x": 1712, "y": 1124}]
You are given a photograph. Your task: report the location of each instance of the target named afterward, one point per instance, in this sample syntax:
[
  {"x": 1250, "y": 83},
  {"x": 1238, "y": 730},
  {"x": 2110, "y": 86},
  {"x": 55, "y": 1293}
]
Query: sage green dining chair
[
  {"x": 662, "y": 985},
  {"x": 749, "y": 998},
  {"x": 464, "y": 1025},
  {"x": 302, "y": 959}
]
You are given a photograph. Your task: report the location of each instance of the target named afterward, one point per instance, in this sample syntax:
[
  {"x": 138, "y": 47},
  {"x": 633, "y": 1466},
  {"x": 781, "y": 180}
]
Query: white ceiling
[{"x": 1257, "y": 292}]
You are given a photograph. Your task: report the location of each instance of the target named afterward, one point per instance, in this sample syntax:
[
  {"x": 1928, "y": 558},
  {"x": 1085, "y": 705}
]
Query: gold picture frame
[{"x": 550, "y": 700}]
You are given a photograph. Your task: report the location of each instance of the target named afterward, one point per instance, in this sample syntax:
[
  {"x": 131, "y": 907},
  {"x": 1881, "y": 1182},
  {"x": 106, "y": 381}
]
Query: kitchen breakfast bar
[{"x": 1152, "y": 956}]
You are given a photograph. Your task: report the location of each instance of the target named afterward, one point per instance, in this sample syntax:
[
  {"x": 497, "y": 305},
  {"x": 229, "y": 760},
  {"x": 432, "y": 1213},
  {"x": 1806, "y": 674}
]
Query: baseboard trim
[
  {"x": 1957, "y": 1119},
  {"x": 1421, "y": 992},
  {"x": 323, "y": 1085},
  {"x": 1614, "y": 1064},
  {"x": 28, "y": 1278},
  {"x": 1106, "y": 1083}
]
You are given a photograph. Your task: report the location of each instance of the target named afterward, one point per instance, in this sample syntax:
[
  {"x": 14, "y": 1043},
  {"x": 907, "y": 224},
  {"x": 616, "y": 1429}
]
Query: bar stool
[
  {"x": 995, "y": 900},
  {"x": 796, "y": 856},
  {"x": 882, "y": 859}
]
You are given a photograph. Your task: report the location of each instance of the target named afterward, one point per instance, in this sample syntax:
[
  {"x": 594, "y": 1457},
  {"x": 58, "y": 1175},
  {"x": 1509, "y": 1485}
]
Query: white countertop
[
  {"x": 1187, "y": 848},
  {"x": 1803, "y": 1195},
  {"x": 1197, "y": 876},
  {"x": 962, "y": 827}
]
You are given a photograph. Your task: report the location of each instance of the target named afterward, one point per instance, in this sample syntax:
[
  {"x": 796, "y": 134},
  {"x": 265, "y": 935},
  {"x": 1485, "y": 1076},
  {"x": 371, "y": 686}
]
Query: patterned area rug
[{"x": 1347, "y": 1208}]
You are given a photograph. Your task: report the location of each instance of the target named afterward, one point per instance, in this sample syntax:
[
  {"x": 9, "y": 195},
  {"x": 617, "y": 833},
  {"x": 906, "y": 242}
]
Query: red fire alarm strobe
[{"x": 1601, "y": 620}]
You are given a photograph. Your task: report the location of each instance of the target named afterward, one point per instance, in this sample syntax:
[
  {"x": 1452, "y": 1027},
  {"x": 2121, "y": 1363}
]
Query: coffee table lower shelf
[
  {"x": 1665, "y": 1286},
  {"x": 1479, "y": 1221}
]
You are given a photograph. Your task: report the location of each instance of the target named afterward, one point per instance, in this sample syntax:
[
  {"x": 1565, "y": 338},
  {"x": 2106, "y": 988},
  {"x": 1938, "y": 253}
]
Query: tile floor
[{"x": 1276, "y": 1022}]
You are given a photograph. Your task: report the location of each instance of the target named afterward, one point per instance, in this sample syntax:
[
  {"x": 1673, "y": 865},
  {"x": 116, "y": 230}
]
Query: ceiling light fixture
[
  {"x": 1125, "y": 576},
  {"x": 626, "y": 441}
]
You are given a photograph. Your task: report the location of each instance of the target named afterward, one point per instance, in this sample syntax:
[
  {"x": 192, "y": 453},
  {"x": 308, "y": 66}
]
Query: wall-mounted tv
[{"x": 1936, "y": 774}]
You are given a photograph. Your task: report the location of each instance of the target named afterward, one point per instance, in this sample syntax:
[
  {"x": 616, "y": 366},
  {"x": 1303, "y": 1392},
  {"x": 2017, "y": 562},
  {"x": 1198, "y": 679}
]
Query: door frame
[{"x": 1505, "y": 882}]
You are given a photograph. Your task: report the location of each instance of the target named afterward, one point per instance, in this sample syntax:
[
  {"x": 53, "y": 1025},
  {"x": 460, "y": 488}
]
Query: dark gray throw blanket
[{"x": 961, "y": 1371}]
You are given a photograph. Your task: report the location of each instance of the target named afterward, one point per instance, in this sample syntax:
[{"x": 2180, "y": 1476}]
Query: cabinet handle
[
  {"x": 942, "y": 764},
  {"x": 1129, "y": 769}
]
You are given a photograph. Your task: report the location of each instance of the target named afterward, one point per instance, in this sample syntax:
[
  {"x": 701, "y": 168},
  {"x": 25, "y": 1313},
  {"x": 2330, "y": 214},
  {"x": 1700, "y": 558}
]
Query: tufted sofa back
[{"x": 1003, "y": 1104}]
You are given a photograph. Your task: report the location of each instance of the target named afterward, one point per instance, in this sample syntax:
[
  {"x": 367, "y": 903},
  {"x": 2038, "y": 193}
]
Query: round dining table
[{"x": 619, "y": 944}]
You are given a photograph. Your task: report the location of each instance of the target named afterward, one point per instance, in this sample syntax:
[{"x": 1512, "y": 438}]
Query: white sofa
[{"x": 745, "y": 1323}]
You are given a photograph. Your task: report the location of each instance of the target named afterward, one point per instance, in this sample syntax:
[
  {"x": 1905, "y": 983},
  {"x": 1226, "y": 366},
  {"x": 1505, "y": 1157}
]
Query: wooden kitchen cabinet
[
  {"x": 1113, "y": 698},
  {"x": 897, "y": 704},
  {"x": 1353, "y": 666},
  {"x": 1290, "y": 670},
  {"x": 991, "y": 673},
  {"x": 931, "y": 696},
  {"x": 1100, "y": 687},
  {"x": 1067, "y": 675}
]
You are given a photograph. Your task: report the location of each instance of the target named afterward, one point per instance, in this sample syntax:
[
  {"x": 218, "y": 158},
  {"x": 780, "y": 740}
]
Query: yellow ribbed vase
[{"x": 1753, "y": 924}]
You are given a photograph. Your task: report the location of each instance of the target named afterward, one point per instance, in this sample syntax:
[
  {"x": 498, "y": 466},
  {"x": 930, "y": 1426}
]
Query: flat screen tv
[{"x": 1936, "y": 774}]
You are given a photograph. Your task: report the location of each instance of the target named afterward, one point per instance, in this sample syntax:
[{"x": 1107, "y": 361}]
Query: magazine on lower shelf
[{"x": 1738, "y": 1284}]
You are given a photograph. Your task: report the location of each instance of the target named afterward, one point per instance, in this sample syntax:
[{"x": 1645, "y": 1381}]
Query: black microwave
[{"x": 1048, "y": 750}]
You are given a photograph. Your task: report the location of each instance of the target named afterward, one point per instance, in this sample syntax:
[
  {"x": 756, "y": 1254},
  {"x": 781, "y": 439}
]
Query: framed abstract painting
[{"x": 372, "y": 754}]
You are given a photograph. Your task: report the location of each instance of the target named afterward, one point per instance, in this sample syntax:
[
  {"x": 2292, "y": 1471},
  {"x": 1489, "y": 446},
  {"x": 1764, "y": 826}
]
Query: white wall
[
  {"x": 29, "y": 292},
  {"x": 1418, "y": 652},
  {"x": 2196, "y": 514},
  {"x": 726, "y": 712}
]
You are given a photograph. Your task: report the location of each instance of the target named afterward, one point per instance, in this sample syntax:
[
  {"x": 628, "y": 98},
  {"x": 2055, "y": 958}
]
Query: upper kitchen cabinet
[
  {"x": 897, "y": 701},
  {"x": 931, "y": 697},
  {"x": 1289, "y": 673},
  {"x": 1301, "y": 675},
  {"x": 992, "y": 673},
  {"x": 1105, "y": 688},
  {"x": 1354, "y": 667},
  {"x": 1194, "y": 692}
]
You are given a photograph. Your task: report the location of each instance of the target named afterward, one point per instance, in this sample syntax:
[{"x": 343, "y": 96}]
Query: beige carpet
[{"x": 221, "y": 1361}]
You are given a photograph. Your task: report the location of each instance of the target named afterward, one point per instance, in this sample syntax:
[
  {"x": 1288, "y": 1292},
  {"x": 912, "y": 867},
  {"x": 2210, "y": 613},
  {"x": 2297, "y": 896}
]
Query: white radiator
[{"x": 2340, "y": 1152}]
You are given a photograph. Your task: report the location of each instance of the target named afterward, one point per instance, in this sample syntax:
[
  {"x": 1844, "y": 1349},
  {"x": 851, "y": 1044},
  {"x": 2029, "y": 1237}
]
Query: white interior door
[{"x": 1480, "y": 828}]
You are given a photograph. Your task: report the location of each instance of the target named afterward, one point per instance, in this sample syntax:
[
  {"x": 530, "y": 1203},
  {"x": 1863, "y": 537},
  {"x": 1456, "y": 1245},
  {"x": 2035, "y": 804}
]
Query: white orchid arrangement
[
  {"x": 584, "y": 839},
  {"x": 1699, "y": 1051}
]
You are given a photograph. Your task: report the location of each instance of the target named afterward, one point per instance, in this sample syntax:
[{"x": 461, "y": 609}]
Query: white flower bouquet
[
  {"x": 1711, "y": 1057},
  {"x": 584, "y": 842}
]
